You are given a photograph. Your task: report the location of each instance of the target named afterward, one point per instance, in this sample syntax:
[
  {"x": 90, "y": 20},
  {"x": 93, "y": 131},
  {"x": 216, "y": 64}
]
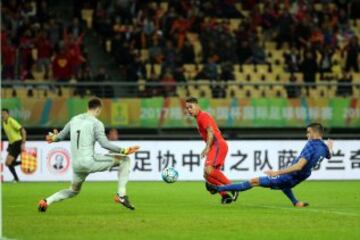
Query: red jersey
[{"x": 205, "y": 120}]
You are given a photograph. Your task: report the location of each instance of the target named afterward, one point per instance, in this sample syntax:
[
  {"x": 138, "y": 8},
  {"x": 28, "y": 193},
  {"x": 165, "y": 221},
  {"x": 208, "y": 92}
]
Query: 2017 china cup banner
[
  {"x": 170, "y": 112},
  {"x": 245, "y": 159}
]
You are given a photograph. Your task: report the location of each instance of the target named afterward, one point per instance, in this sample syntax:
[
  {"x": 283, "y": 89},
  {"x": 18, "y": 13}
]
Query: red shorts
[{"x": 217, "y": 154}]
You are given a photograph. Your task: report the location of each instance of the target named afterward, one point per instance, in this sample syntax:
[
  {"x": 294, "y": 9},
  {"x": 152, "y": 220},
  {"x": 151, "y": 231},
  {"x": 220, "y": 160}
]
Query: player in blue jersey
[{"x": 312, "y": 154}]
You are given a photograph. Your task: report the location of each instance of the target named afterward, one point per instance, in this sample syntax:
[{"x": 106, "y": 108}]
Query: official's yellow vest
[{"x": 12, "y": 130}]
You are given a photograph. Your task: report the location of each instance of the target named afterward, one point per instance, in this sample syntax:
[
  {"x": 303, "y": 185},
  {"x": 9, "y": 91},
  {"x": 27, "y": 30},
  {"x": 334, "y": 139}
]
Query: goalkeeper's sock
[
  {"x": 290, "y": 195},
  {"x": 61, "y": 195},
  {"x": 236, "y": 187},
  {"x": 123, "y": 176}
]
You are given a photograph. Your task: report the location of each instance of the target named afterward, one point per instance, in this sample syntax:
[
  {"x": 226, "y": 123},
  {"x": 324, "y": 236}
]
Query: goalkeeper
[{"x": 85, "y": 129}]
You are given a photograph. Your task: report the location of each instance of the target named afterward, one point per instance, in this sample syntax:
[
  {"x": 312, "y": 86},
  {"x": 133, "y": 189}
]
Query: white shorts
[{"x": 99, "y": 163}]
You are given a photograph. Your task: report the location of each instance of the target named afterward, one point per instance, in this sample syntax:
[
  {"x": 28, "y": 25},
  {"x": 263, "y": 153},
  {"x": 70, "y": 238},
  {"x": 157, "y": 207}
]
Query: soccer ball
[{"x": 169, "y": 175}]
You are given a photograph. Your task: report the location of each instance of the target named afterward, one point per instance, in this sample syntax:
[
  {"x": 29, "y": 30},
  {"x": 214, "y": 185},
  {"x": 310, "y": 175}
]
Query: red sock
[
  {"x": 215, "y": 182},
  {"x": 218, "y": 175}
]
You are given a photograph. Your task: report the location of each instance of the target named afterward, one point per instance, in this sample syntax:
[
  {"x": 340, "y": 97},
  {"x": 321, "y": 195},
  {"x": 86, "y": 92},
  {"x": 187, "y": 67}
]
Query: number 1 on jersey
[{"x": 78, "y": 138}]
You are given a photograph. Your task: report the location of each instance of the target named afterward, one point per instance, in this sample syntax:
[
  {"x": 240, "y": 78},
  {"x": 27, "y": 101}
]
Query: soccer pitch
[{"x": 183, "y": 210}]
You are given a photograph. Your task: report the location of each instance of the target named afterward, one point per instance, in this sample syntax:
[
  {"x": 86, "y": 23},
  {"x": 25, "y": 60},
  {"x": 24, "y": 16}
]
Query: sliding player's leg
[
  {"x": 290, "y": 195},
  {"x": 265, "y": 181},
  {"x": 78, "y": 179},
  {"x": 284, "y": 183},
  {"x": 239, "y": 187}
]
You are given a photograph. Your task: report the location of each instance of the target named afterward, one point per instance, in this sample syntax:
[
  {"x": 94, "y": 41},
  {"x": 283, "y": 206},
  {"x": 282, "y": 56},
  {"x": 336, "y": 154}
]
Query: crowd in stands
[
  {"x": 159, "y": 41},
  {"x": 175, "y": 33},
  {"x": 38, "y": 44}
]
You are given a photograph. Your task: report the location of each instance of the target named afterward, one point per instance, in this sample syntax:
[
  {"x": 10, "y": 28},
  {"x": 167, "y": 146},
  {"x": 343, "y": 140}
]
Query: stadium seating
[{"x": 250, "y": 76}]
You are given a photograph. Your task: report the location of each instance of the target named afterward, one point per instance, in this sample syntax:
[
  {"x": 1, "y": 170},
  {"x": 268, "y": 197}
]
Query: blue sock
[
  {"x": 235, "y": 187},
  {"x": 290, "y": 195}
]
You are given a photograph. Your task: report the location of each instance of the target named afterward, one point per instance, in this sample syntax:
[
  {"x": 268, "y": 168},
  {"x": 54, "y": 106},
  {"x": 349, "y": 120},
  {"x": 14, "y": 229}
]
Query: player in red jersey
[{"x": 215, "y": 150}]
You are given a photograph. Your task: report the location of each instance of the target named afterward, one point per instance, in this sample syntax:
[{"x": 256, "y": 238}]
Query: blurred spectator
[
  {"x": 155, "y": 52},
  {"x": 62, "y": 66},
  {"x": 152, "y": 88},
  {"x": 26, "y": 46},
  {"x": 316, "y": 38},
  {"x": 226, "y": 52},
  {"x": 28, "y": 10},
  {"x": 42, "y": 11},
  {"x": 84, "y": 75},
  {"x": 38, "y": 71},
  {"x": 344, "y": 88},
  {"x": 169, "y": 55},
  {"x": 329, "y": 37},
  {"x": 187, "y": 52},
  {"x": 269, "y": 20},
  {"x": 293, "y": 90},
  {"x": 76, "y": 29},
  {"x": 302, "y": 33},
  {"x": 8, "y": 56},
  {"x": 292, "y": 60},
  {"x": 210, "y": 69},
  {"x": 258, "y": 55},
  {"x": 227, "y": 70},
  {"x": 244, "y": 52},
  {"x": 73, "y": 47},
  {"x": 218, "y": 89},
  {"x": 44, "y": 50},
  {"x": 169, "y": 84},
  {"x": 179, "y": 74},
  {"x": 113, "y": 134},
  {"x": 352, "y": 53},
  {"x": 136, "y": 71},
  {"x": 309, "y": 67},
  {"x": 103, "y": 91},
  {"x": 180, "y": 27},
  {"x": 228, "y": 9},
  {"x": 285, "y": 22},
  {"x": 148, "y": 30},
  {"x": 54, "y": 29},
  {"x": 325, "y": 64}
]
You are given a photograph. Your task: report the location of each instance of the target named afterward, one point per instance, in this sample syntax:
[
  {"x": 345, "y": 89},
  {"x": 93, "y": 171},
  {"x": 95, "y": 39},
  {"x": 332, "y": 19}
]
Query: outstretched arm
[
  {"x": 105, "y": 143},
  {"x": 102, "y": 139},
  {"x": 63, "y": 133},
  {"x": 293, "y": 168},
  {"x": 55, "y": 136}
]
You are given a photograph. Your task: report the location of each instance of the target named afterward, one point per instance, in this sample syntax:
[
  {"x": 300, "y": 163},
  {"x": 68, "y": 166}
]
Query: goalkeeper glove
[
  {"x": 129, "y": 150},
  {"x": 51, "y": 137}
]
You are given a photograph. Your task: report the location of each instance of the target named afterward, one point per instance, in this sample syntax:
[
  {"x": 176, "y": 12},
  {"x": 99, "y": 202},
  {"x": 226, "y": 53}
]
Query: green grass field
[{"x": 183, "y": 210}]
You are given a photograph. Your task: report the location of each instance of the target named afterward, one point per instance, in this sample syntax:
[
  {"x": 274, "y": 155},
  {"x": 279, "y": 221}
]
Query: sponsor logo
[{"x": 58, "y": 161}]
